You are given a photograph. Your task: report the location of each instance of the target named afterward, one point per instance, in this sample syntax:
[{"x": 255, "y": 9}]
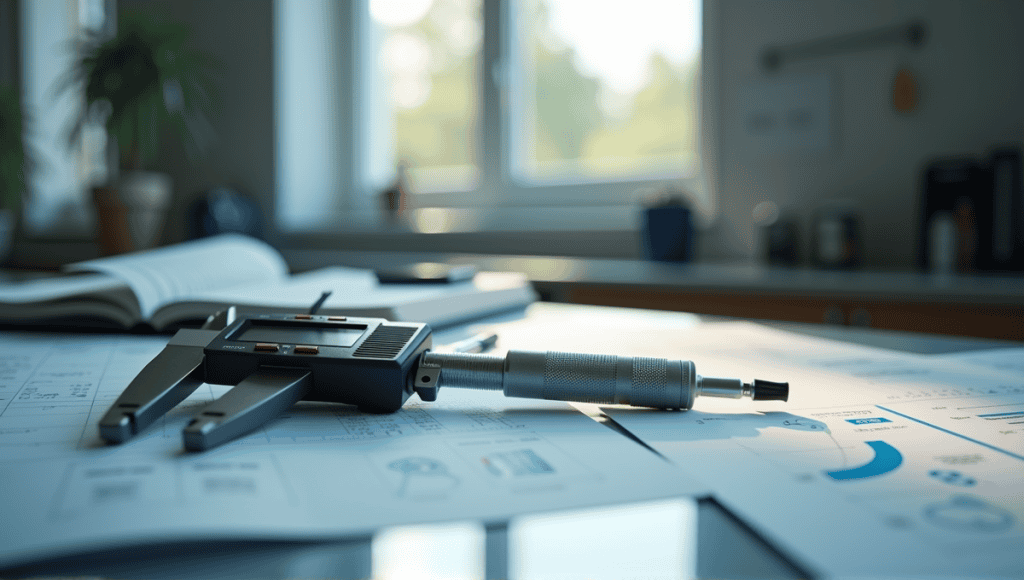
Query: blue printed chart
[{"x": 886, "y": 459}]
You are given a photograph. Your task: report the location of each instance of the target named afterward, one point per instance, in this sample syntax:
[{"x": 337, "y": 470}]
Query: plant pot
[{"x": 131, "y": 215}]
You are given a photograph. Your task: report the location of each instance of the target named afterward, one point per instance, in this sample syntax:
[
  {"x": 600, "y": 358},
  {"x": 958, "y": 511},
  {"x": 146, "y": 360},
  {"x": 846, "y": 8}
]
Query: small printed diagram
[
  {"x": 953, "y": 477},
  {"x": 516, "y": 463},
  {"x": 965, "y": 513},
  {"x": 109, "y": 485},
  {"x": 423, "y": 478},
  {"x": 490, "y": 465},
  {"x": 524, "y": 463},
  {"x": 768, "y": 430},
  {"x": 804, "y": 424},
  {"x": 233, "y": 479}
]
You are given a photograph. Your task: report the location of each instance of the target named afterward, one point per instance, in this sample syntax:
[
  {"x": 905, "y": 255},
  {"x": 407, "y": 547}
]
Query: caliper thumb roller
[
  {"x": 273, "y": 361},
  {"x": 585, "y": 378}
]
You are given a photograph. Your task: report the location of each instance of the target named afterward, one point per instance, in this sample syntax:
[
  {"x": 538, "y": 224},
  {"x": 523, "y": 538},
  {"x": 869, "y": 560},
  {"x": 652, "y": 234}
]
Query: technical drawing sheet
[
  {"x": 1004, "y": 359},
  {"x": 321, "y": 471},
  {"x": 881, "y": 463}
]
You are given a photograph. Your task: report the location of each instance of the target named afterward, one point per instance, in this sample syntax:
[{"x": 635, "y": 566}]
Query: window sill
[
  {"x": 618, "y": 243},
  {"x": 464, "y": 220}
]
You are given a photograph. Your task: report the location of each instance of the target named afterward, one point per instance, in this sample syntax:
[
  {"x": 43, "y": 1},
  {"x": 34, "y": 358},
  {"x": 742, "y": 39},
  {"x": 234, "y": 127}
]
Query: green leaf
[{"x": 151, "y": 79}]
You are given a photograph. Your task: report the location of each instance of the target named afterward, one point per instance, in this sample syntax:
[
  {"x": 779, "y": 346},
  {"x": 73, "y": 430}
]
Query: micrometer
[{"x": 274, "y": 361}]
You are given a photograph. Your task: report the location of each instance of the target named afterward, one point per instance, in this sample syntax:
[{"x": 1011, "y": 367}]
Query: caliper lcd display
[{"x": 311, "y": 335}]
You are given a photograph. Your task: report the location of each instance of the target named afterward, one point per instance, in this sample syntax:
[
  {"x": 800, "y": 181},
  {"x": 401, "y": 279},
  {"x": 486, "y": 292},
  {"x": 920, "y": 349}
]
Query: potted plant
[
  {"x": 141, "y": 83},
  {"x": 14, "y": 165}
]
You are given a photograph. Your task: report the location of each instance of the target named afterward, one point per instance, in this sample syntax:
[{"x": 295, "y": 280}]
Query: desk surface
[{"x": 637, "y": 326}]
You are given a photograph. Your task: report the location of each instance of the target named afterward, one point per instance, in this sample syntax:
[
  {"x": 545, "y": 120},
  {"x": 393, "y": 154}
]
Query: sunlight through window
[
  {"x": 430, "y": 54},
  {"x": 602, "y": 104}
]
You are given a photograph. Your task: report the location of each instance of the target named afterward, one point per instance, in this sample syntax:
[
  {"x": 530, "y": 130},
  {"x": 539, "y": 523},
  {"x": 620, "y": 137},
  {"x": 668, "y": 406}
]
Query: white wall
[
  {"x": 56, "y": 185},
  {"x": 971, "y": 77},
  {"x": 310, "y": 105}
]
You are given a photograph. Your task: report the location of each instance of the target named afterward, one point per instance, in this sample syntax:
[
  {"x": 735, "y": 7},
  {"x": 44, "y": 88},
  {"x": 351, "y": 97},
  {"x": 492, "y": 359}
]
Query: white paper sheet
[
  {"x": 322, "y": 471},
  {"x": 57, "y": 288},
  {"x": 881, "y": 463},
  {"x": 1003, "y": 359}
]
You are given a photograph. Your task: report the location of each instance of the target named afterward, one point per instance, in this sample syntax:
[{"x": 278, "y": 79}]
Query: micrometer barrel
[{"x": 587, "y": 378}]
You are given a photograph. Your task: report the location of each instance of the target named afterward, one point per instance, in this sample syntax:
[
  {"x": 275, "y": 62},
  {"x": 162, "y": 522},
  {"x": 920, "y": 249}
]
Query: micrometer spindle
[{"x": 586, "y": 378}]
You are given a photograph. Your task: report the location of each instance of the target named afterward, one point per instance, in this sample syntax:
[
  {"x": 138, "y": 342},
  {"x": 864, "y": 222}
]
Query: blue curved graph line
[{"x": 887, "y": 458}]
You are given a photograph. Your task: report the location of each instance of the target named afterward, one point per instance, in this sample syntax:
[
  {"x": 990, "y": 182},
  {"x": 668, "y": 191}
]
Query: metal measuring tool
[{"x": 274, "y": 361}]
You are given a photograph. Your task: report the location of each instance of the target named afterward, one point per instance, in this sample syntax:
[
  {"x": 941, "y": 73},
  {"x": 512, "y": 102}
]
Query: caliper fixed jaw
[{"x": 167, "y": 380}]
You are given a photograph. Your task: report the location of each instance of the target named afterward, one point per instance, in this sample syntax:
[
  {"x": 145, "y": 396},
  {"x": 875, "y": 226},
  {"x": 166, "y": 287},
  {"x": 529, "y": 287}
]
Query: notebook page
[
  {"x": 57, "y": 288},
  {"x": 186, "y": 270}
]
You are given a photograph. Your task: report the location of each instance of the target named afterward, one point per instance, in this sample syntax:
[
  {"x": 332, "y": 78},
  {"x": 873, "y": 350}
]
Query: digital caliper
[{"x": 276, "y": 360}]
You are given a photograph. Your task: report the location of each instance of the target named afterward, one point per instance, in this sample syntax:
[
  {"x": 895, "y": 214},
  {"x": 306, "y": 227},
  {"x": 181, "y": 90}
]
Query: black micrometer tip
[{"x": 770, "y": 391}]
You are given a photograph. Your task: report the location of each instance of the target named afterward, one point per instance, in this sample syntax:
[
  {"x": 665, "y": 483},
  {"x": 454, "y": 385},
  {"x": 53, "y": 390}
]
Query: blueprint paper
[
  {"x": 1004, "y": 359},
  {"x": 321, "y": 471},
  {"x": 880, "y": 464}
]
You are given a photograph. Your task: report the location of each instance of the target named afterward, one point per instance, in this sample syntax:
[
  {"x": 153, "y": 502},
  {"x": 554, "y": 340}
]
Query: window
[
  {"x": 493, "y": 108},
  {"x": 430, "y": 56},
  {"x": 607, "y": 105}
]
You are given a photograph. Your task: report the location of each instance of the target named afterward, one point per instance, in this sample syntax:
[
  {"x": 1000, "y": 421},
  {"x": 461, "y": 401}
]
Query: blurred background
[{"x": 870, "y": 137}]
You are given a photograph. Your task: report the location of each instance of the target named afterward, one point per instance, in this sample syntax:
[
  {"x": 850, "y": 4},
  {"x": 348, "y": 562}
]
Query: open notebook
[{"x": 183, "y": 284}]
